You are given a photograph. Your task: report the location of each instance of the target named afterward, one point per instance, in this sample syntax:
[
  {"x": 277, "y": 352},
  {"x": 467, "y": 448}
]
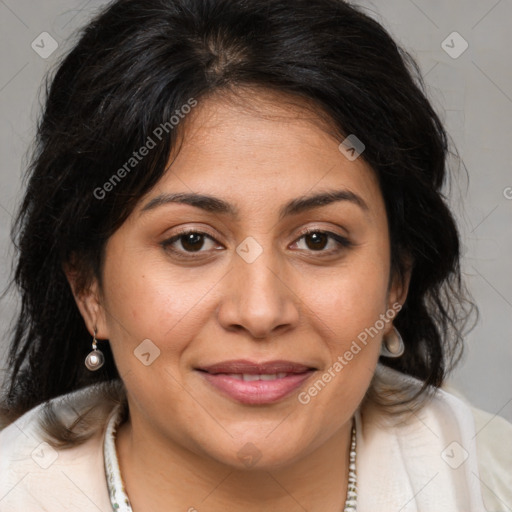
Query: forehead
[{"x": 262, "y": 147}]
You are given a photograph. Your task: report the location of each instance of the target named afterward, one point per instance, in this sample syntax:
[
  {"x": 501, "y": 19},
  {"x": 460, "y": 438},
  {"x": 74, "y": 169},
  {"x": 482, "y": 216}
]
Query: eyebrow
[{"x": 294, "y": 207}]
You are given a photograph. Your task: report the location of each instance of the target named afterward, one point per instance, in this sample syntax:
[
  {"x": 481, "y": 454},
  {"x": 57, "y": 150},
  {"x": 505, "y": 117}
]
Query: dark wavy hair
[{"x": 134, "y": 66}]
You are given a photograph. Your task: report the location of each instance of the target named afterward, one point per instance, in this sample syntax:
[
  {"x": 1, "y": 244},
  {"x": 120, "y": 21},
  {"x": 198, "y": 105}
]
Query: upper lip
[{"x": 244, "y": 366}]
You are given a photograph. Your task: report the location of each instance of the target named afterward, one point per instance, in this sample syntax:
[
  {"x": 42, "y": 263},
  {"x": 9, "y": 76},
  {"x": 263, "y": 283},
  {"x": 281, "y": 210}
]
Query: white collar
[
  {"x": 427, "y": 463},
  {"x": 118, "y": 497}
]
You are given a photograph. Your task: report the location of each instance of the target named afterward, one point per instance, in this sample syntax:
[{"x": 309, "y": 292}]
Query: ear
[
  {"x": 89, "y": 301},
  {"x": 399, "y": 286}
]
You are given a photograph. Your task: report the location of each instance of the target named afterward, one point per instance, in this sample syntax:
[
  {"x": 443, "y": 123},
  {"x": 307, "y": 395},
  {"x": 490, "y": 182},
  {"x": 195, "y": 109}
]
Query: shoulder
[
  {"x": 493, "y": 435},
  {"x": 37, "y": 475},
  {"x": 493, "y": 439},
  {"x": 437, "y": 451},
  {"x": 494, "y": 449}
]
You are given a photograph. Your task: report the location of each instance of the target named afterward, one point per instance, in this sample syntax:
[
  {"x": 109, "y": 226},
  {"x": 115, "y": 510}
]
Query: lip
[
  {"x": 223, "y": 377},
  {"x": 254, "y": 368}
]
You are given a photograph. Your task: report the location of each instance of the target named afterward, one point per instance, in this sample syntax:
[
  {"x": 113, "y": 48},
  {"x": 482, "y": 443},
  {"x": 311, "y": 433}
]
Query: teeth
[
  {"x": 252, "y": 377},
  {"x": 270, "y": 377},
  {"x": 236, "y": 376}
]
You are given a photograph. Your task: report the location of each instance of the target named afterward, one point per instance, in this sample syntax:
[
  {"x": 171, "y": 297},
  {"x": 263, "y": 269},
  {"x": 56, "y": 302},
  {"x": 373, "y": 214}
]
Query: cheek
[
  {"x": 351, "y": 298},
  {"x": 151, "y": 299},
  {"x": 347, "y": 312},
  {"x": 145, "y": 300},
  {"x": 349, "y": 304}
]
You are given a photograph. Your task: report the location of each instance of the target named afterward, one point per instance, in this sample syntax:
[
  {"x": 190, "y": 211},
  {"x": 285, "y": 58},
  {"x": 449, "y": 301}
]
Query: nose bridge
[
  {"x": 256, "y": 266},
  {"x": 257, "y": 299}
]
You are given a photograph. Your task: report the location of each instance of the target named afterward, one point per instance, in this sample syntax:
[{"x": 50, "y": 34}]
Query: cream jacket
[{"x": 447, "y": 457}]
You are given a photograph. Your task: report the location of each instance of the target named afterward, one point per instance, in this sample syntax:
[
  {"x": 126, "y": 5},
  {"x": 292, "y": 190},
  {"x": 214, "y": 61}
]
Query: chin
[{"x": 260, "y": 453}]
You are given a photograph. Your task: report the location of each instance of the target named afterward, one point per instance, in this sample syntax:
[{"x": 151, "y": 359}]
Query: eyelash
[{"x": 343, "y": 243}]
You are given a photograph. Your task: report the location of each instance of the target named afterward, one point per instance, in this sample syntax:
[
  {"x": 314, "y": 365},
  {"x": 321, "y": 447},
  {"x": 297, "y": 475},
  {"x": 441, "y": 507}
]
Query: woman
[{"x": 240, "y": 280}]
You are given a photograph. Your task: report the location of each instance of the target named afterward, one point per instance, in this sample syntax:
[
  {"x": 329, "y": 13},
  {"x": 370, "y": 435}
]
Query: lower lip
[{"x": 257, "y": 391}]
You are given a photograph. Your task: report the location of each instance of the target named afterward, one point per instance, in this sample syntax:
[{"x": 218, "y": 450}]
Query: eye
[
  {"x": 190, "y": 241},
  {"x": 317, "y": 240}
]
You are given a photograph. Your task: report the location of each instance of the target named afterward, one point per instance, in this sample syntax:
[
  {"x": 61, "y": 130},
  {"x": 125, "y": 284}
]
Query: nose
[{"x": 258, "y": 297}]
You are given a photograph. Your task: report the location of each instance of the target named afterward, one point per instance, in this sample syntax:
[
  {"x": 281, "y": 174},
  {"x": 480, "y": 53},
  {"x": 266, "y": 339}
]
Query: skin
[{"x": 179, "y": 449}]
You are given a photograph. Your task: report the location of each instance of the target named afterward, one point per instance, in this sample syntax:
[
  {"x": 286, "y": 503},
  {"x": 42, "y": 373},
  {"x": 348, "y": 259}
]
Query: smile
[{"x": 252, "y": 383}]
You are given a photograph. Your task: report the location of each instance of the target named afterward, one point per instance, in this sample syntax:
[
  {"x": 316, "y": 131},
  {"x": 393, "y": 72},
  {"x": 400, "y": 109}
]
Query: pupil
[
  {"x": 317, "y": 238},
  {"x": 191, "y": 241}
]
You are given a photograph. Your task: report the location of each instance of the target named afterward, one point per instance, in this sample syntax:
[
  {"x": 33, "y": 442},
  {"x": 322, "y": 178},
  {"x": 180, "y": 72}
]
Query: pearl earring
[
  {"x": 392, "y": 344},
  {"x": 95, "y": 359}
]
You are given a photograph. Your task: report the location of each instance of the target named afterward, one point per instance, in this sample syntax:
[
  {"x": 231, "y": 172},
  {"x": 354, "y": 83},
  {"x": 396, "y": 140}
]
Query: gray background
[{"x": 472, "y": 93}]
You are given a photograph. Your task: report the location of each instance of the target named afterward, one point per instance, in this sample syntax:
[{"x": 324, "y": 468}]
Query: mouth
[{"x": 254, "y": 383}]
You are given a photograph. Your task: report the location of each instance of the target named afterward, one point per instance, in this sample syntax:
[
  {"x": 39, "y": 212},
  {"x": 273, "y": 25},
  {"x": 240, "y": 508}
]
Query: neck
[{"x": 160, "y": 475}]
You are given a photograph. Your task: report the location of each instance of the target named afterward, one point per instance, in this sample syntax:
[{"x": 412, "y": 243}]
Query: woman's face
[{"x": 250, "y": 288}]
